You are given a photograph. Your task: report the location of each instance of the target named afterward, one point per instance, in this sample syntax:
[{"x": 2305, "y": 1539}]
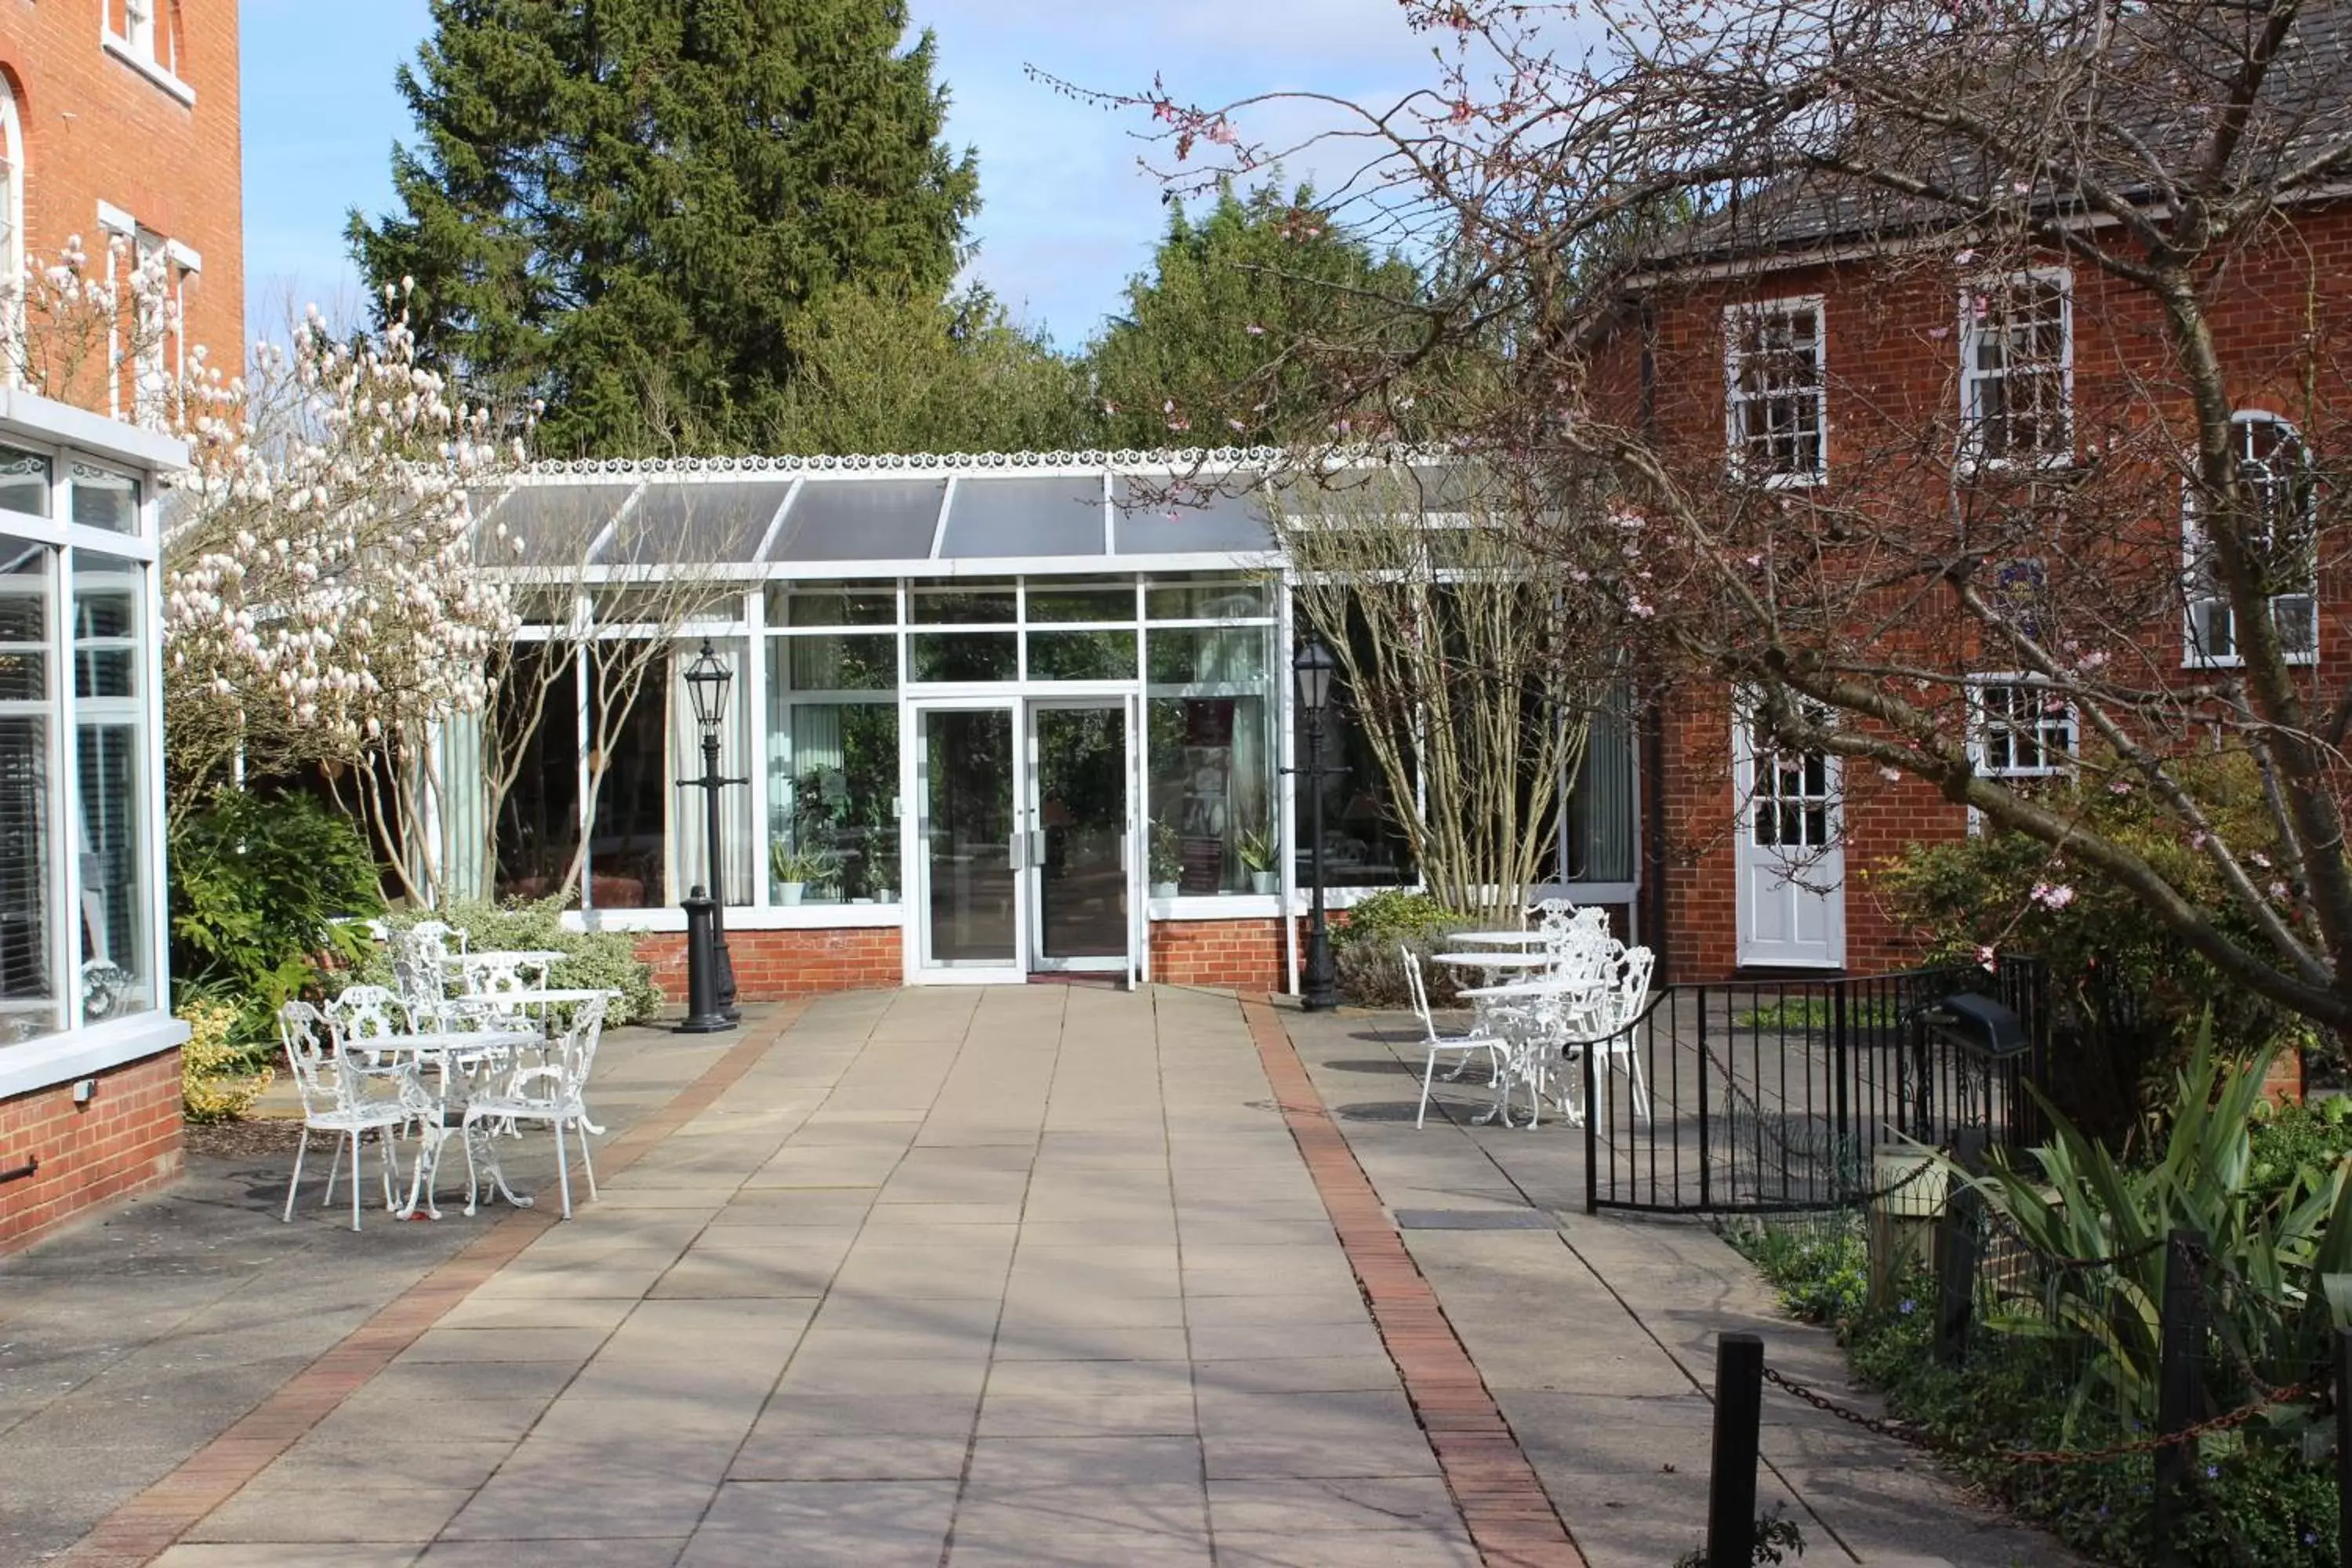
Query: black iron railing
[{"x": 1767, "y": 1096}]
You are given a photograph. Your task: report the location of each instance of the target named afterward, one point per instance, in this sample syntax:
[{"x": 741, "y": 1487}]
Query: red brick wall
[
  {"x": 95, "y": 129},
  {"x": 772, "y": 964},
  {"x": 126, "y": 1140},
  {"x": 1893, "y": 367},
  {"x": 1244, "y": 954}
]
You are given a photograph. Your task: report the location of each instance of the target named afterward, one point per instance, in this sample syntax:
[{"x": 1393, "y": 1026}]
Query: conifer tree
[{"x": 624, "y": 208}]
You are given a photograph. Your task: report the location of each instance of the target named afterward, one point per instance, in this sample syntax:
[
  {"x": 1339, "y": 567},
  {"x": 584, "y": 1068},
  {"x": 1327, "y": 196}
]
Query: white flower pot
[
  {"x": 789, "y": 892},
  {"x": 1163, "y": 890},
  {"x": 885, "y": 895},
  {"x": 1265, "y": 881}
]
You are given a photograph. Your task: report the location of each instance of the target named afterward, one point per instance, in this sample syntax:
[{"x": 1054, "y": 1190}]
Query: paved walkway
[{"x": 1031, "y": 1275}]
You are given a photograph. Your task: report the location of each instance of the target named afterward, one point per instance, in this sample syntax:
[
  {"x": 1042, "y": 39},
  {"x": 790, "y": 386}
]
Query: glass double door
[{"x": 1026, "y": 828}]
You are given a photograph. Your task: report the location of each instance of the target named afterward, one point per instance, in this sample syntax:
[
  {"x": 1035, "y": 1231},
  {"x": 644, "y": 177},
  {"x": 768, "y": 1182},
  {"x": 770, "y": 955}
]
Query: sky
[{"x": 1066, "y": 214}]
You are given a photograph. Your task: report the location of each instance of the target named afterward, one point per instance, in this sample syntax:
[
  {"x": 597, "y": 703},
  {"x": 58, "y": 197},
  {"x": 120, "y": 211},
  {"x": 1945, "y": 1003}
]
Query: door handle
[
  {"x": 1038, "y": 847},
  {"x": 1012, "y": 853}
]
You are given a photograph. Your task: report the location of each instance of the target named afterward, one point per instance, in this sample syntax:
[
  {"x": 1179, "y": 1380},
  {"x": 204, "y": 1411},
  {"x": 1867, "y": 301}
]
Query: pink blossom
[{"x": 2052, "y": 896}]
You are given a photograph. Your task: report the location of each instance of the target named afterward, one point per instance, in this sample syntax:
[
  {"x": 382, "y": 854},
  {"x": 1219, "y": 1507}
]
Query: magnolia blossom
[{"x": 2052, "y": 896}]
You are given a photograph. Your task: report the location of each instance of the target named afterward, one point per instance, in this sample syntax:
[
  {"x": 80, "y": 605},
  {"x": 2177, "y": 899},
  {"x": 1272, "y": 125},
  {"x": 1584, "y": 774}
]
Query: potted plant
[
  {"x": 797, "y": 869},
  {"x": 882, "y": 864},
  {"x": 1167, "y": 860},
  {"x": 1257, "y": 851}
]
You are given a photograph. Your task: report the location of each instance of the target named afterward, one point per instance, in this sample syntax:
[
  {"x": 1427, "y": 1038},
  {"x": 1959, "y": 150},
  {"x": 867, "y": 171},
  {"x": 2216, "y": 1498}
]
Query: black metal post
[
  {"x": 2344, "y": 1443},
  {"x": 703, "y": 1014},
  {"x": 1955, "y": 1252},
  {"x": 1321, "y": 990},
  {"x": 1731, "y": 1479},
  {"x": 2181, "y": 1336},
  {"x": 711, "y": 784}
]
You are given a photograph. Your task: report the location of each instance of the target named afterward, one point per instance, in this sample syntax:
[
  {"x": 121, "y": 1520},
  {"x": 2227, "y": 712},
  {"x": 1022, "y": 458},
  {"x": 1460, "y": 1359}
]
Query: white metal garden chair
[
  {"x": 367, "y": 1018},
  {"x": 1606, "y": 1028},
  {"x": 1462, "y": 1046},
  {"x": 341, "y": 1097},
  {"x": 554, "y": 1091}
]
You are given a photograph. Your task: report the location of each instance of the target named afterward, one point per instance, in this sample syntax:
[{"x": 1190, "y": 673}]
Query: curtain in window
[{"x": 689, "y": 862}]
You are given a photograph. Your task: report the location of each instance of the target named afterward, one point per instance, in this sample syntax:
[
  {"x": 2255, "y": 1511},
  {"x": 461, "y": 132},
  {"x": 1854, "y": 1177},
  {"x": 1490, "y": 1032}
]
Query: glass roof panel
[
  {"x": 854, "y": 519},
  {"x": 697, "y": 525},
  {"x": 1176, "y": 516},
  {"x": 554, "y": 523},
  {"x": 1025, "y": 516}
]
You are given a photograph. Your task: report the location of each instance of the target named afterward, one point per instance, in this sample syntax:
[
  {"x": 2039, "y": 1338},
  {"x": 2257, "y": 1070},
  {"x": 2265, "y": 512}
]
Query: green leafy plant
[
  {"x": 1257, "y": 848},
  {"x": 1364, "y": 947},
  {"x": 806, "y": 866},
  {"x": 1167, "y": 853},
  {"x": 1814, "y": 1012},
  {"x": 602, "y": 960},
  {"x": 266, "y": 890},
  {"x": 1773, "y": 1532},
  {"x": 2284, "y": 1250},
  {"x": 219, "y": 1080}
]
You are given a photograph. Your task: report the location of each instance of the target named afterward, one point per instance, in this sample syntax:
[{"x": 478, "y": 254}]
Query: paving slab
[
  {"x": 1596, "y": 1335},
  {"x": 1014, "y": 1275}
]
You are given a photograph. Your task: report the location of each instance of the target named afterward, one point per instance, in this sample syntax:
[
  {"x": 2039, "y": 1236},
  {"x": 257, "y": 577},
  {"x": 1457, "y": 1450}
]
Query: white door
[
  {"x": 1078, "y": 809},
  {"x": 1792, "y": 860},
  {"x": 967, "y": 899}
]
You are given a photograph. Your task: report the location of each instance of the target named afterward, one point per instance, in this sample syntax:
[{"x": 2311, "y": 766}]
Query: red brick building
[
  {"x": 1845, "y": 370},
  {"x": 118, "y": 121}
]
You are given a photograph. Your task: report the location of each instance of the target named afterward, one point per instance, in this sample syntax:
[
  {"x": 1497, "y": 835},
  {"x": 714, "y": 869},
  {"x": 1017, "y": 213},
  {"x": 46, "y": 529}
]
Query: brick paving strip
[
  {"x": 1510, "y": 1517},
  {"x": 144, "y": 1528}
]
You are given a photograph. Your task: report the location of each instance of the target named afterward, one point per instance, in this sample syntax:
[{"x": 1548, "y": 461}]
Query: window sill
[
  {"x": 60, "y": 1058},
  {"x": 121, "y": 49},
  {"x": 743, "y": 917},
  {"x": 2238, "y": 661}
]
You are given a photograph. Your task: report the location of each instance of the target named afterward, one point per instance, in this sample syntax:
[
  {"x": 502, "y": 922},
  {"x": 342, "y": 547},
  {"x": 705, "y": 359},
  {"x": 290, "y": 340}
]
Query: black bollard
[
  {"x": 704, "y": 1013},
  {"x": 1739, "y": 1422}
]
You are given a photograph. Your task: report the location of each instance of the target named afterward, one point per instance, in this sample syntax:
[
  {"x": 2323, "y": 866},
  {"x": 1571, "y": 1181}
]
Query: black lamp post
[
  {"x": 1312, "y": 668},
  {"x": 710, "y": 970}
]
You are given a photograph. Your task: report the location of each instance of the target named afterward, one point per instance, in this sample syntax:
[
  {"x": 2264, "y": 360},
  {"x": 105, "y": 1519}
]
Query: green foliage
[
  {"x": 259, "y": 886},
  {"x": 1815, "y": 1012},
  {"x": 1773, "y": 1532},
  {"x": 1822, "y": 1268},
  {"x": 604, "y": 960},
  {"x": 2298, "y": 1143},
  {"x": 627, "y": 207},
  {"x": 1208, "y": 350},
  {"x": 1364, "y": 947},
  {"x": 809, "y": 866},
  {"x": 1257, "y": 849},
  {"x": 2129, "y": 992},
  {"x": 891, "y": 370},
  {"x": 2284, "y": 1252},
  {"x": 219, "y": 1080}
]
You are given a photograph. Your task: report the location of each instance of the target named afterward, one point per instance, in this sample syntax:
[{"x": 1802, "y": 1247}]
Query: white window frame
[
  {"x": 1973, "y": 332},
  {"x": 1737, "y": 321},
  {"x": 146, "y": 42},
  {"x": 2204, "y": 602},
  {"x": 2058, "y": 759}
]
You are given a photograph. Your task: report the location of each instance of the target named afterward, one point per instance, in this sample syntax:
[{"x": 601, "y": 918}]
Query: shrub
[
  {"x": 1364, "y": 947},
  {"x": 259, "y": 884},
  {"x": 218, "y": 1082},
  {"x": 2127, "y": 992},
  {"x": 604, "y": 960}
]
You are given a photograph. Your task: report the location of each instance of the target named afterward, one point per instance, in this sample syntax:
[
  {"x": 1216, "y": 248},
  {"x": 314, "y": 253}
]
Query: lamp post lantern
[
  {"x": 710, "y": 969},
  {"x": 1312, "y": 668}
]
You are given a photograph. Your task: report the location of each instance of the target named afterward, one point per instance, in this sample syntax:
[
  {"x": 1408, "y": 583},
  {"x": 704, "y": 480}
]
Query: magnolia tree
[{"x": 2066, "y": 413}]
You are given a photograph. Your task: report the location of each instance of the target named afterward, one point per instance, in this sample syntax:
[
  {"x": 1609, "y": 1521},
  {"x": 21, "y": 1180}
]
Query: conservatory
[{"x": 988, "y": 719}]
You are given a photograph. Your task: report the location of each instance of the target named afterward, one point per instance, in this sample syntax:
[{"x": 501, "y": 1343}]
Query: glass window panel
[
  {"x": 854, "y": 518},
  {"x": 964, "y": 656},
  {"x": 1081, "y": 600},
  {"x": 863, "y": 663},
  {"x": 24, "y": 481},
  {"x": 1602, "y": 837},
  {"x": 539, "y": 820},
  {"x": 116, "y": 974},
  {"x": 975, "y": 602},
  {"x": 1025, "y": 517},
  {"x": 24, "y": 623},
  {"x": 104, "y": 499},
  {"x": 1235, "y": 656},
  {"x": 106, "y": 624},
  {"x": 1146, "y": 523},
  {"x": 1082, "y": 656},
  {"x": 551, "y": 525},
  {"x": 1211, "y": 761},
  {"x": 833, "y": 795},
  {"x": 628, "y": 834},
  {"x": 832, "y": 605},
  {"x": 683, "y": 523},
  {"x": 1364, "y": 840},
  {"x": 1221, "y": 599}
]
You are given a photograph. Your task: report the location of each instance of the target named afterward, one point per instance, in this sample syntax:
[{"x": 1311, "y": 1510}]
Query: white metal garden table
[
  {"x": 1529, "y": 1016},
  {"x": 449, "y": 1053}
]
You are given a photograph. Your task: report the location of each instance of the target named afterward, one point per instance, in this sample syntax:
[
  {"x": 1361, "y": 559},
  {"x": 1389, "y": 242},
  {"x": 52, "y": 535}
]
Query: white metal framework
[
  {"x": 2017, "y": 370},
  {"x": 1776, "y": 390},
  {"x": 2276, "y": 480},
  {"x": 2020, "y": 727}
]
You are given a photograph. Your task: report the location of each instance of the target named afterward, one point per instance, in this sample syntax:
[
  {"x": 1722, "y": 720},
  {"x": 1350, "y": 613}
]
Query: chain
[
  {"x": 2054, "y": 1262},
  {"x": 1920, "y": 1436}
]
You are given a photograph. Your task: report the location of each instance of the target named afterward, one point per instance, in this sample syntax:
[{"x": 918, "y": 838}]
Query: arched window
[{"x": 2280, "y": 496}]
